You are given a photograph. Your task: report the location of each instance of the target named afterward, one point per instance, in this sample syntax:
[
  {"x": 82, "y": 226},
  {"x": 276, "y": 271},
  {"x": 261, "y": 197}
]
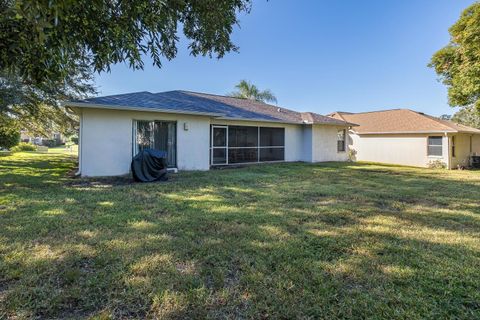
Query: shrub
[
  {"x": 49, "y": 143},
  {"x": 437, "y": 164},
  {"x": 23, "y": 146},
  {"x": 9, "y": 135},
  {"x": 352, "y": 154},
  {"x": 74, "y": 140}
]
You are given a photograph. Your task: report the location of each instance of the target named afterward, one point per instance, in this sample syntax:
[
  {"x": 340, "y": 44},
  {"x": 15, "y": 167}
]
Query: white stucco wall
[
  {"x": 324, "y": 144},
  {"x": 107, "y": 142},
  {"x": 410, "y": 150}
]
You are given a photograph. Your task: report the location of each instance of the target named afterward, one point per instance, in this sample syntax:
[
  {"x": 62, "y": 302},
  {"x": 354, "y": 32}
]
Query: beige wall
[
  {"x": 476, "y": 144},
  {"x": 324, "y": 144},
  {"x": 410, "y": 150},
  {"x": 464, "y": 148}
]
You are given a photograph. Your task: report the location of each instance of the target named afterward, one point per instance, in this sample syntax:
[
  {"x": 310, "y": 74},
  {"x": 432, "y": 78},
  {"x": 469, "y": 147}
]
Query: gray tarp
[{"x": 150, "y": 165}]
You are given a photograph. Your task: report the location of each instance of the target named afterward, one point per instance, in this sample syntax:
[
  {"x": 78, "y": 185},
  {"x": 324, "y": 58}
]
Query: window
[
  {"x": 246, "y": 144},
  {"x": 158, "y": 135},
  {"x": 341, "y": 140},
  {"x": 434, "y": 146},
  {"x": 272, "y": 144},
  {"x": 453, "y": 146}
]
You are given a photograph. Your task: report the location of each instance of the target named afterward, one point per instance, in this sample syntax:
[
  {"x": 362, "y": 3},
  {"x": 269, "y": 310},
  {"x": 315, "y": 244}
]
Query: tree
[
  {"x": 467, "y": 116},
  {"x": 43, "y": 40},
  {"x": 458, "y": 63},
  {"x": 9, "y": 133},
  {"x": 37, "y": 106},
  {"x": 247, "y": 90}
]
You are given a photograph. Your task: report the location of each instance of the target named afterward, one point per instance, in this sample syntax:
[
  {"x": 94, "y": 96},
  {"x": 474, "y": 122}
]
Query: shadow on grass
[{"x": 288, "y": 240}]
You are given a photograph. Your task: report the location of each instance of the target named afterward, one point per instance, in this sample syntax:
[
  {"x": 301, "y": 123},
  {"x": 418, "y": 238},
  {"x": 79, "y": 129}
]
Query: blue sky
[{"x": 319, "y": 55}]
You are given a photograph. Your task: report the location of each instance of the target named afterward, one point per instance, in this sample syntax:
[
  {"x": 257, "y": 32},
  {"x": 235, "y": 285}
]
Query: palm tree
[{"x": 247, "y": 90}]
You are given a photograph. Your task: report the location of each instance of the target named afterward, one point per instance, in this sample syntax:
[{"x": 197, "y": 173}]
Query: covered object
[{"x": 150, "y": 165}]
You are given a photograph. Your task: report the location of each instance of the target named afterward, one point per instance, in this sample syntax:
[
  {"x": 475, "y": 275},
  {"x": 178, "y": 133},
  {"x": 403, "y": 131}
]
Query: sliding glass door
[
  {"x": 246, "y": 144},
  {"x": 157, "y": 135}
]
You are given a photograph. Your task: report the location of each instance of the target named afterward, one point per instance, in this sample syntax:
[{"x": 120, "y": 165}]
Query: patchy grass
[{"x": 336, "y": 240}]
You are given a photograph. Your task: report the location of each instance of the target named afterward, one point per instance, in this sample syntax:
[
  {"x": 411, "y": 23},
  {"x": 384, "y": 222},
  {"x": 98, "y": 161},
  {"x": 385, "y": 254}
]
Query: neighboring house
[
  {"x": 57, "y": 137},
  {"x": 407, "y": 137},
  {"x": 199, "y": 131}
]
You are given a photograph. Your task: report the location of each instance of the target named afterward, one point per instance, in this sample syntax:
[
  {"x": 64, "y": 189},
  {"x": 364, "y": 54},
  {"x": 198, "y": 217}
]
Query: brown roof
[
  {"x": 280, "y": 113},
  {"x": 400, "y": 121}
]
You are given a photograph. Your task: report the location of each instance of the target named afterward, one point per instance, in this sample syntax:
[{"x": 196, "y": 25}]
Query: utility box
[{"x": 475, "y": 162}]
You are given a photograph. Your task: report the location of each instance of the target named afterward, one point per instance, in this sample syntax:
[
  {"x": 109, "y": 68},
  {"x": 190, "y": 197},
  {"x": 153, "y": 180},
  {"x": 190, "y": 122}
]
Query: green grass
[{"x": 335, "y": 240}]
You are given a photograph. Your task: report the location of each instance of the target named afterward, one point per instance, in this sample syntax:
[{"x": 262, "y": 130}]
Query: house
[
  {"x": 200, "y": 131},
  {"x": 407, "y": 137},
  {"x": 54, "y": 139}
]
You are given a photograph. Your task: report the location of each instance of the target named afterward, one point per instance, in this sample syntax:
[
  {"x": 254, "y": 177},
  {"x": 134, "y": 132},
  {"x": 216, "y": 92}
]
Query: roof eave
[
  {"x": 342, "y": 124},
  {"x": 256, "y": 120},
  {"x": 405, "y": 132},
  {"x": 133, "y": 108}
]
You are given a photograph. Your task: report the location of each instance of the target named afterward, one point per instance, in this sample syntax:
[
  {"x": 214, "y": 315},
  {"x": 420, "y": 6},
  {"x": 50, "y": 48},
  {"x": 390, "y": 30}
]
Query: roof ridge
[
  {"x": 375, "y": 111},
  {"x": 225, "y": 96},
  {"x": 121, "y": 94}
]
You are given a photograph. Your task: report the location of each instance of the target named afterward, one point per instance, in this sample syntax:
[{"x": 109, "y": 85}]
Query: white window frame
[
  {"x": 212, "y": 147},
  {"x": 434, "y": 145}
]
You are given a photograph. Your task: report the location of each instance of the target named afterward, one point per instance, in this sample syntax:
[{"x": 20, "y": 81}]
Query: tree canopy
[
  {"x": 467, "y": 116},
  {"x": 49, "y": 50},
  {"x": 36, "y": 107},
  {"x": 43, "y": 40},
  {"x": 9, "y": 132},
  {"x": 247, "y": 90},
  {"x": 458, "y": 63}
]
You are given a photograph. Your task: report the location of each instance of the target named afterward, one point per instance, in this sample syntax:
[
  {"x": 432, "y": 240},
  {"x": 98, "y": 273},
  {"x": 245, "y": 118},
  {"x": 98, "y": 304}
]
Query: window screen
[
  {"x": 247, "y": 144},
  {"x": 341, "y": 140},
  {"x": 242, "y": 137},
  {"x": 272, "y": 154},
  {"x": 453, "y": 146},
  {"x": 242, "y": 155},
  {"x": 435, "y": 146},
  {"x": 272, "y": 137}
]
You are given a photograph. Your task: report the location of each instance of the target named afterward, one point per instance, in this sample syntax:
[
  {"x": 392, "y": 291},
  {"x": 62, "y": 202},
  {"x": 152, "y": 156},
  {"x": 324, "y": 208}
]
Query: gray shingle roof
[{"x": 215, "y": 105}]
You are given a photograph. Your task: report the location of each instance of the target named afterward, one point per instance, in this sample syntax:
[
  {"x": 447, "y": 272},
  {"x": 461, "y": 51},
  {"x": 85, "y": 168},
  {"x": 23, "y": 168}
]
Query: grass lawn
[{"x": 336, "y": 240}]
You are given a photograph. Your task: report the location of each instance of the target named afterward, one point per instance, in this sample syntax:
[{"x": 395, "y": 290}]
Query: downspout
[{"x": 449, "y": 161}]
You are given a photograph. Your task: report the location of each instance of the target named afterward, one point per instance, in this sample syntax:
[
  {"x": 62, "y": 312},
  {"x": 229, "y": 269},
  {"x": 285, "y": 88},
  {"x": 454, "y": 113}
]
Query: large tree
[
  {"x": 247, "y": 90},
  {"x": 467, "y": 116},
  {"x": 41, "y": 40},
  {"x": 36, "y": 106},
  {"x": 50, "y": 49},
  {"x": 458, "y": 63}
]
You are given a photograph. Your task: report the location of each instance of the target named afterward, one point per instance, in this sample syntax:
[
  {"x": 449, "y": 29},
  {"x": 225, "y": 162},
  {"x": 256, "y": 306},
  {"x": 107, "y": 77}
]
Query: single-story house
[
  {"x": 200, "y": 131},
  {"x": 407, "y": 137}
]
